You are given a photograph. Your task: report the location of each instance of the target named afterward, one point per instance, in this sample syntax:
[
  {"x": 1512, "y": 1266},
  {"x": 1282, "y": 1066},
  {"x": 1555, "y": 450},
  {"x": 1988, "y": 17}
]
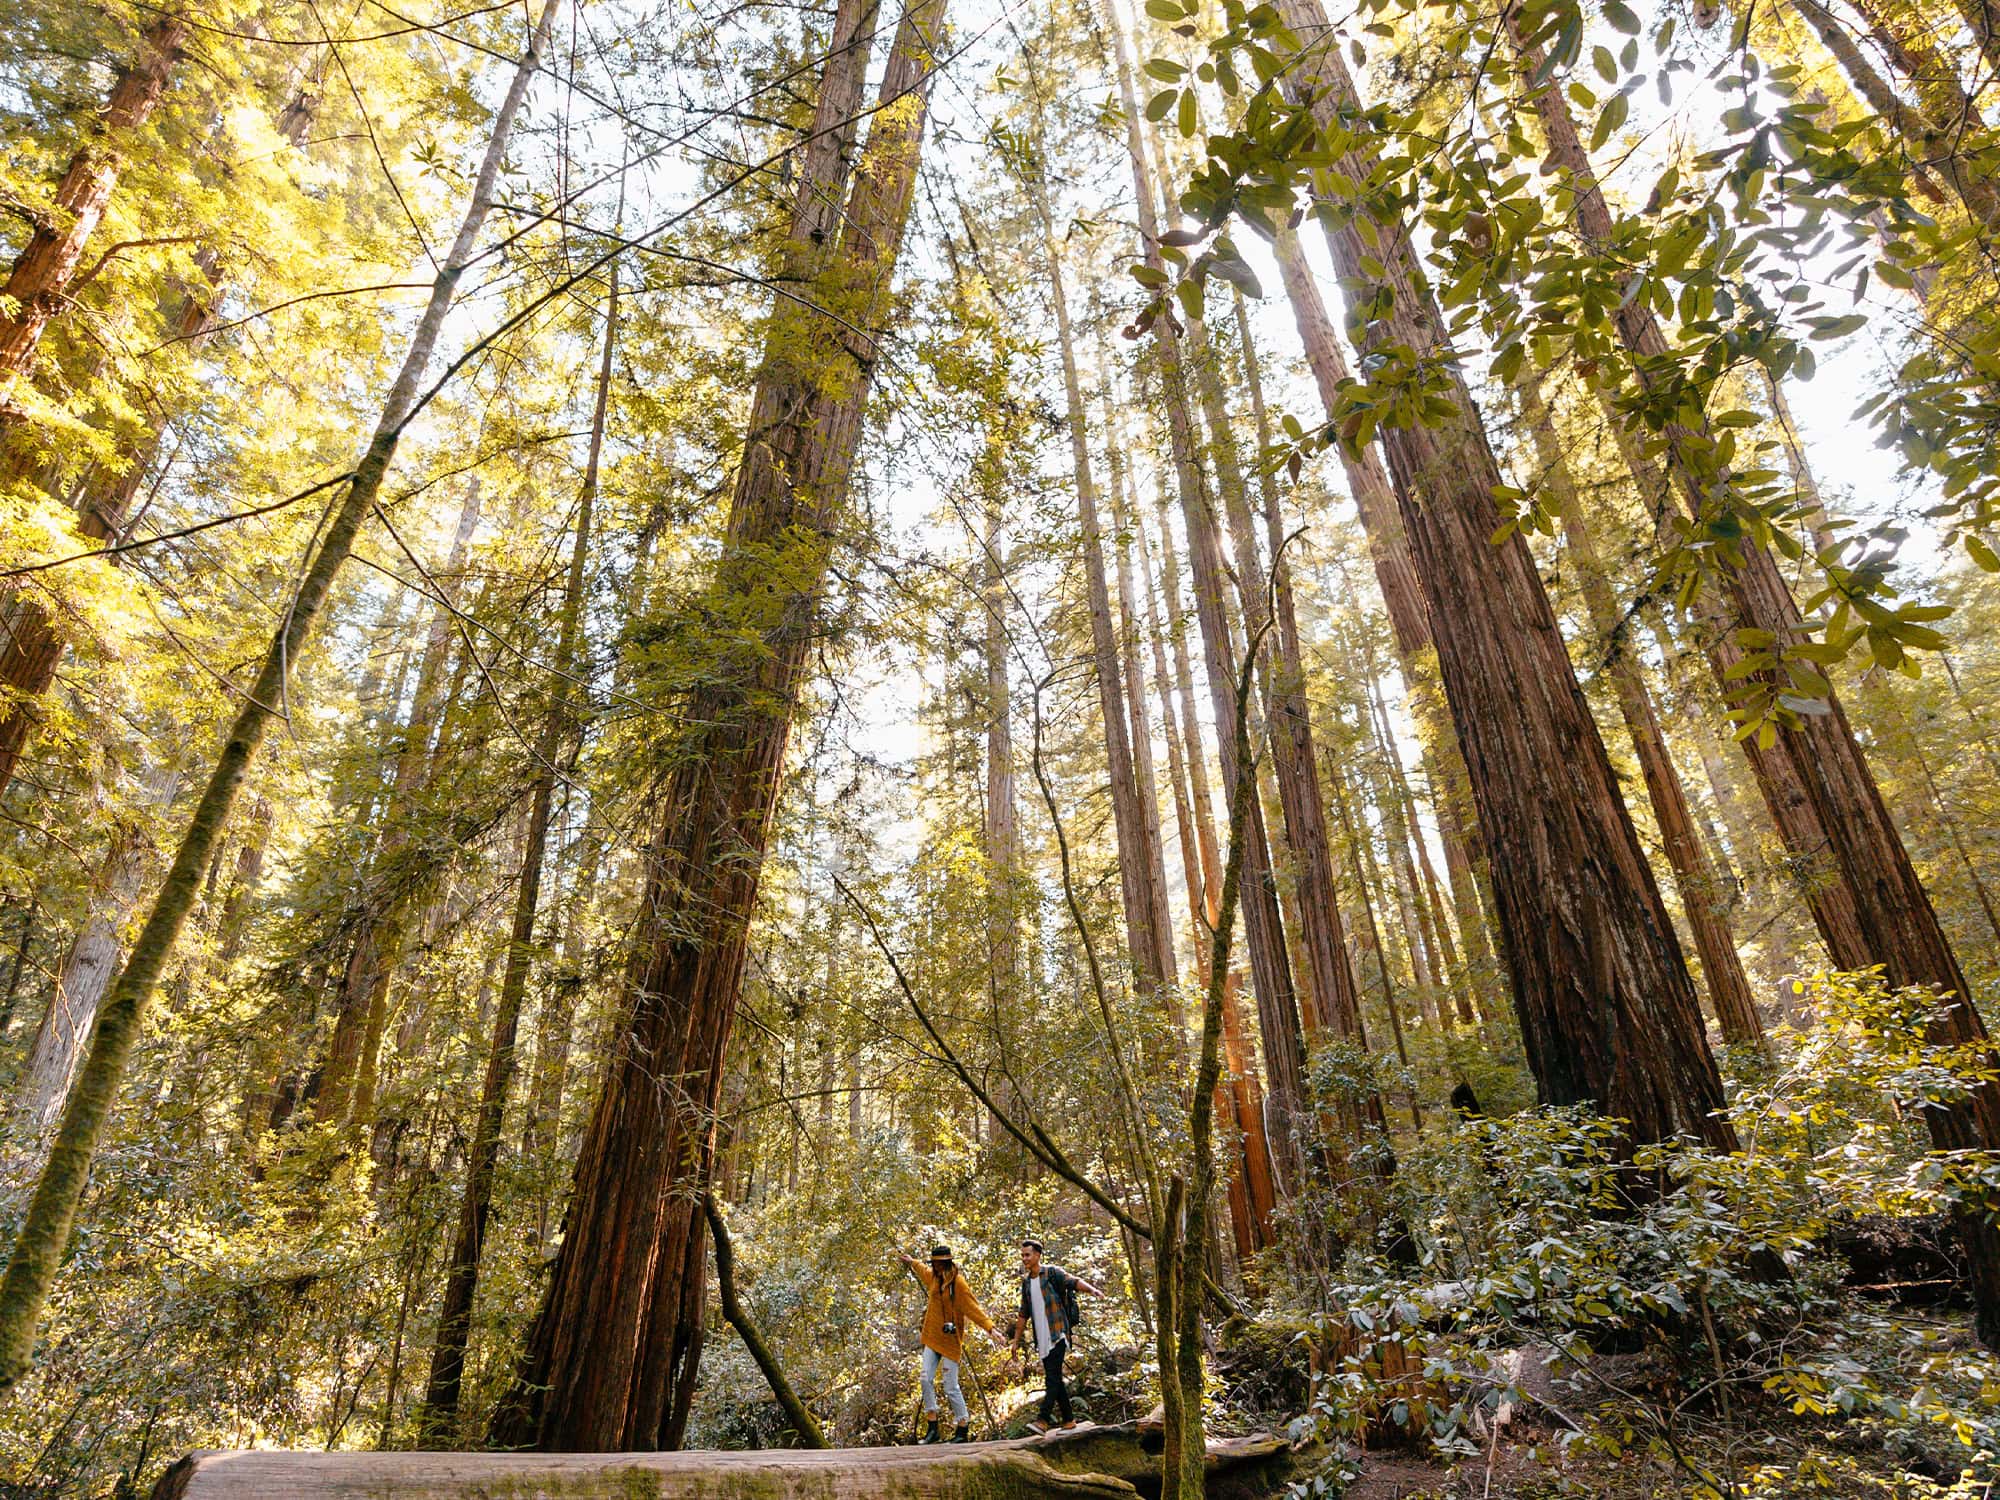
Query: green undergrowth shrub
[{"x": 1679, "y": 1307}]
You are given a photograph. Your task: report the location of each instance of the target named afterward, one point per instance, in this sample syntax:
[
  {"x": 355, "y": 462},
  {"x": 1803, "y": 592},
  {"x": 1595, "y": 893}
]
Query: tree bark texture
[
  {"x": 1700, "y": 889},
  {"x": 1402, "y": 594},
  {"x": 1606, "y": 1007},
  {"x": 611, "y": 1359}
]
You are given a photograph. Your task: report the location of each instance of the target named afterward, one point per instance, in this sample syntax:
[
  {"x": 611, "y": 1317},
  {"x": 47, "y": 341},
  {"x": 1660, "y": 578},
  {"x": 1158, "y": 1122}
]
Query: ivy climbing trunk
[
  {"x": 611, "y": 1360},
  {"x": 44, "y": 1234}
]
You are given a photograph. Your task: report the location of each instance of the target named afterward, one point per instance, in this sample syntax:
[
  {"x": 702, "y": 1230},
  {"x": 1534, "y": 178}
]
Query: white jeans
[{"x": 932, "y": 1360}]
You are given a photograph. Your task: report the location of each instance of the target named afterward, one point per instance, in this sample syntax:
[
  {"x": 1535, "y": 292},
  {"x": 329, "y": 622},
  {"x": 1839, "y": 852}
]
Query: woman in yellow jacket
[{"x": 950, "y": 1307}]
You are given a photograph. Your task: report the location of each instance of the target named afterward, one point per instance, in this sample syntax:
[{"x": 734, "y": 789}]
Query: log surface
[
  {"x": 1088, "y": 1463},
  {"x": 974, "y": 1471}
]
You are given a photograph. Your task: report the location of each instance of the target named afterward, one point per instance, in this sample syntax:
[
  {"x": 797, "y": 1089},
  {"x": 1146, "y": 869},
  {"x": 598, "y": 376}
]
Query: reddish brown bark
[
  {"x": 1700, "y": 889},
  {"x": 611, "y": 1360},
  {"x": 1402, "y": 594},
  {"x": 1607, "y": 1010}
]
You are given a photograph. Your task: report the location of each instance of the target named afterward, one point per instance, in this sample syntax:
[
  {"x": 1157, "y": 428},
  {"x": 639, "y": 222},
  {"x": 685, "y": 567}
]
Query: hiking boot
[
  {"x": 930, "y": 1432},
  {"x": 962, "y": 1434},
  {"x": 1038, "y": 1428}
]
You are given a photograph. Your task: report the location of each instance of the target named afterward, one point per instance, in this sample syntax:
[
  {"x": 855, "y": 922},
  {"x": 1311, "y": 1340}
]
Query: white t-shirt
[{"x": 1043, "y": 1343}]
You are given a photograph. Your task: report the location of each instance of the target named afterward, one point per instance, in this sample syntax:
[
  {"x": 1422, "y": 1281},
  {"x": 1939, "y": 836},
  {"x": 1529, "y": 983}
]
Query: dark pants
[{"x": 1055, "y": 1395}]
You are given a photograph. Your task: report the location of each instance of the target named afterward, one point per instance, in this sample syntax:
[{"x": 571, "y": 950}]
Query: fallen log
[{"x": 1086, "y": 1463}]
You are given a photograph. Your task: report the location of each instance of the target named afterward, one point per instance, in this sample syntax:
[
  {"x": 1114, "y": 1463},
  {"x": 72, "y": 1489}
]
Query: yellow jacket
[{"x": 954, "y": 1304}]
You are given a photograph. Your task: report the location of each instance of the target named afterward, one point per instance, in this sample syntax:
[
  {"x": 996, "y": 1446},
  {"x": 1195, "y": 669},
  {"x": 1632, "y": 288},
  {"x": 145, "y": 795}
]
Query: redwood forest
[{"x": 1000, "y": 749}]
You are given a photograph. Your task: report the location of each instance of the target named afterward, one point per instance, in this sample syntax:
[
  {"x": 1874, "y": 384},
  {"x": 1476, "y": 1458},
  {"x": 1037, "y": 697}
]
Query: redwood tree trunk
[
  {"x": 1607, "y": 1010},
  {"x": 1402, "y": 594},
  {"x": 344, "y": 1090},
  {"x": 1700, "y": 889},
  {"x": 1252, "y": 1196},
  {"x": 611, "y": 1360}
]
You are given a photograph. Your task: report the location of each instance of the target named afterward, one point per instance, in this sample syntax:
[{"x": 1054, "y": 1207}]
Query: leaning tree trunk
[
  {"x": 1933, "y": 148},
  {"x": 1873, "y": 909},
  {"x": 1607, "y": 1010},
  {"x": 461, "y": 1282},
  {"x": 611, "y": 1360},
  {"x": 44, "y": 1234}
]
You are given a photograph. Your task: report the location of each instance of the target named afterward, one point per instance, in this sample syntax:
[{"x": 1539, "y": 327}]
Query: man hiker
[
  {"x": 949, "y": 1307},
  {"x": 1049, "y": 1312}
]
